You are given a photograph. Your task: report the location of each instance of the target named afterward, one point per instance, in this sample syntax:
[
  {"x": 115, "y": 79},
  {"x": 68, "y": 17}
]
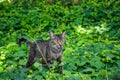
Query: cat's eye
[{"x": 54, "y": 43}]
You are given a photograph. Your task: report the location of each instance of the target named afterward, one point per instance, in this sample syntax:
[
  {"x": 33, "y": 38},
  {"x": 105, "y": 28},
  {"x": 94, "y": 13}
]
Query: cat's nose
[{"x": 60, "y": 45}]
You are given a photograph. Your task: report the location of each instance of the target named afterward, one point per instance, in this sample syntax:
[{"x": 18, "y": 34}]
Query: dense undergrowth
[{"x": 92, "y": 49}]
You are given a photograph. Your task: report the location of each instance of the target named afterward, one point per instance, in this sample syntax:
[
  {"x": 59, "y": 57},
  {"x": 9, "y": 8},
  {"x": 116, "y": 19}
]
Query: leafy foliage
[{"x": 92, "y": 49}]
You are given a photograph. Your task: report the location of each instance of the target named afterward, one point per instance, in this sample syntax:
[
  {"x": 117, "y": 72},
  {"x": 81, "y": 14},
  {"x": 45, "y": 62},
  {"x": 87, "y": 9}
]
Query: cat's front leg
[{"x": 60, "y": 67}]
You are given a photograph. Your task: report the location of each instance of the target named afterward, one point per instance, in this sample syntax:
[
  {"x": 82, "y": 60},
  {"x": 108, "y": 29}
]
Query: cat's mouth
[
  {"x": 56, "y": 49},
  {"x": 59, "y": 47}
]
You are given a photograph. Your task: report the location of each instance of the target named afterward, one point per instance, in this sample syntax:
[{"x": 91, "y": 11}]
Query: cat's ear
[
  {"x": 63, "y": 34},
  {"x": 51, "y": 35}
]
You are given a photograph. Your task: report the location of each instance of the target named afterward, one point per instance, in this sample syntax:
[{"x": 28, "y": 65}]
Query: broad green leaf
[
  {"x": 38, "y": 77},
  {"x": 37, "y": 64},
  {"x": 1, "y": 69},
  {"x": 96, "y": 62}
]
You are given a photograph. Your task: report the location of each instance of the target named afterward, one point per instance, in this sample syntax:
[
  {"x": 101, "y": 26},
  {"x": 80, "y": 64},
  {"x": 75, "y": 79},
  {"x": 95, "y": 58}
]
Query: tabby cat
[{"x": 48, "y": 50}]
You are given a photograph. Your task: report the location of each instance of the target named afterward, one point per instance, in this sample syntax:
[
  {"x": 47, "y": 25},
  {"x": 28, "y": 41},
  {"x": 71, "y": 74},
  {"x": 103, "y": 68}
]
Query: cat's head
[{"x": 57, "y": 40}]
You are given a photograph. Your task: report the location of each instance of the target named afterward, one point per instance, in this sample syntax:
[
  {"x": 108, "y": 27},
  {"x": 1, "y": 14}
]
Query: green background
[{"x": 92, "y": 49}]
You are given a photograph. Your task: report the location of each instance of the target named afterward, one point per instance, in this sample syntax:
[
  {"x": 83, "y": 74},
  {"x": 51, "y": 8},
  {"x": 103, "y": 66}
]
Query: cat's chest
[{"x": 56, "y": 55}]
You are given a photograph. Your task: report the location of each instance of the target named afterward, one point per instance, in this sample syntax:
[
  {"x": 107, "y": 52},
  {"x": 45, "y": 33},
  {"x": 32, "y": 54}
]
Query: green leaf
[
  {"x": 1, "y": 69},
  {"x": 37, "y": 64},
  {"x": 83, "y": 61},
  {"x": 22, "y": 62},
  {"x": 88, "y": 70},
  {"x": 96, "y": 62},
  {"x": 38, "y": 77},
  {"x": 103, "y": 72}
]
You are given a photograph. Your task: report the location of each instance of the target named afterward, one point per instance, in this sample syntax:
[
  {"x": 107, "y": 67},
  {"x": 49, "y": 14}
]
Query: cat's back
[
  {"x": 40, "y": 47},
  {"x": 42, "y": 43}
]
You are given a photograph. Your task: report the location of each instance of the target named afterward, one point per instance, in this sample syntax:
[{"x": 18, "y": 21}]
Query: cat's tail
[{"x": 24, "y": 40}]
